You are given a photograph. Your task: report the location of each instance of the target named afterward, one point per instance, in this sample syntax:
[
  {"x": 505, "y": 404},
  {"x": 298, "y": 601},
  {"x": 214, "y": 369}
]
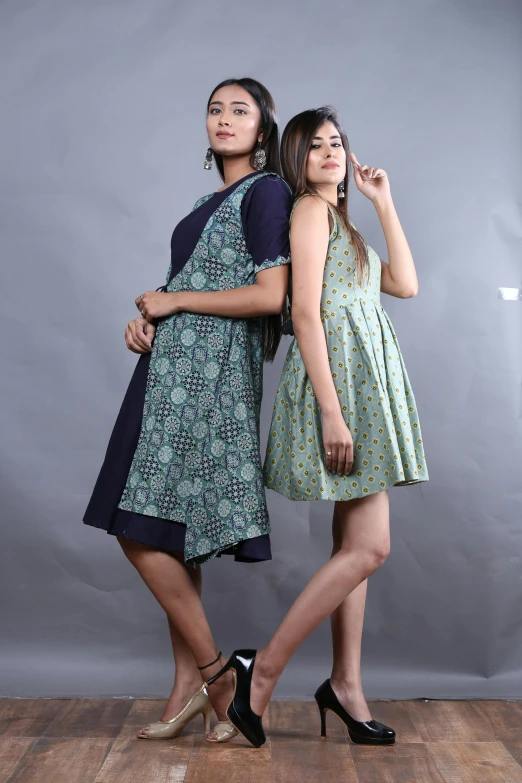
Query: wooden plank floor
[{"x": 94, "y": 741}]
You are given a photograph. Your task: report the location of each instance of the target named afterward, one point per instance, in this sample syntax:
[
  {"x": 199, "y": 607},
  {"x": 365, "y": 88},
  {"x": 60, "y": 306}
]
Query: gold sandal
[
  {"x": 224, "y": 730},
  {"x": 169, "y": 729},
  {"x": 199, "y": 704}
]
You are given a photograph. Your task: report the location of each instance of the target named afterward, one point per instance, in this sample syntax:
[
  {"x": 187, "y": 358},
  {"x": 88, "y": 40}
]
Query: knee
[{"x": 375, "y": 556}]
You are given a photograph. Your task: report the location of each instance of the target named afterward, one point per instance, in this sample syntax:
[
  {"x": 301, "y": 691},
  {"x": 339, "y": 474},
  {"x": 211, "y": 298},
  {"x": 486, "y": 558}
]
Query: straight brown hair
[{"x": 296, "y": 143}]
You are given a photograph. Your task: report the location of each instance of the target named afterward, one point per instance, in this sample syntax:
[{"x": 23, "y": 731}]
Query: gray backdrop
[{"x": 102, "y": 153}]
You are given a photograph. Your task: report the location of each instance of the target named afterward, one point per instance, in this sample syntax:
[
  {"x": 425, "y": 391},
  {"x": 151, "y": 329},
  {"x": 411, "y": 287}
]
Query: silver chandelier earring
[
  {"x": 260, "y": 158},
  {"x": 341, "y": 189},
  {"x": 208, "y": 160}
]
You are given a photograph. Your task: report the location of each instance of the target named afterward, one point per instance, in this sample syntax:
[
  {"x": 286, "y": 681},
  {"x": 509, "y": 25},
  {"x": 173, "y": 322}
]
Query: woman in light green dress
[{"x": 345, "y": 426}]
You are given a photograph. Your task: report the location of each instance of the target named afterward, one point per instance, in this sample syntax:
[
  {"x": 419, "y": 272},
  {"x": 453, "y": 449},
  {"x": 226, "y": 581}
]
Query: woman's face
[
  {"x": 326, "y": 163},
  {"x": 233, "y": 121}
]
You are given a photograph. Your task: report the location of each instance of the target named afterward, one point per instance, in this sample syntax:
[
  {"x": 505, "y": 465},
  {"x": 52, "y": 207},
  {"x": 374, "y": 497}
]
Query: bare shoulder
[{"x": 310, "y": 212}]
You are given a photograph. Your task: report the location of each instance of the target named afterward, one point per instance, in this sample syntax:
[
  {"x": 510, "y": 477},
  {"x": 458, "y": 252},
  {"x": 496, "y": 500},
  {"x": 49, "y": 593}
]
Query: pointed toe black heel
[
  {"x": 239, "y": 712},
  {"x": 368, "y": 732}
]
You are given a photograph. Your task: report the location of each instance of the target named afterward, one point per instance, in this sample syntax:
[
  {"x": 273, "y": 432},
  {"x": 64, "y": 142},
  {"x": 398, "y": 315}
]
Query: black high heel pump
[
  {"x": 239, "y": 712},
  {"x": 368, "y": 732}
]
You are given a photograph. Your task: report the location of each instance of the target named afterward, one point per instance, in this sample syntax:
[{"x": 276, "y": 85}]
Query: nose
[{"x": 223, "y": 120}]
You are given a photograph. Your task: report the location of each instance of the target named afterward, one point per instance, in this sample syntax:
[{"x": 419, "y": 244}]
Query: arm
[
  {"x": 308, "y": 248},
  {"x": 265, "y": 212},
  {"x": 265, "y": 297},
  {"x": 398, "y": 277}
]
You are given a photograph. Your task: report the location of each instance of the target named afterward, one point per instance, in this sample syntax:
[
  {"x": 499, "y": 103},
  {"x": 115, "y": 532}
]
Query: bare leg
[
  {"x": 364, "y": 546},
  {"x": 176, "y": 590},
  {"x": 347, "y": 626},
  {"x": 187, "y": 677}
]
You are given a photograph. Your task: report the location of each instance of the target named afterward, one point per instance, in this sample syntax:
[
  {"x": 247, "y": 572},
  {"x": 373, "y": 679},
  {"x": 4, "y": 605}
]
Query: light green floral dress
[{"x": 374, "y": 392}]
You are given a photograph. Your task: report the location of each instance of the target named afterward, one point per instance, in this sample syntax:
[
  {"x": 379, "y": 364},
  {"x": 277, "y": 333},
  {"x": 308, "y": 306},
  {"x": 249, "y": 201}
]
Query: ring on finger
[{"x": 328, "y": 453}]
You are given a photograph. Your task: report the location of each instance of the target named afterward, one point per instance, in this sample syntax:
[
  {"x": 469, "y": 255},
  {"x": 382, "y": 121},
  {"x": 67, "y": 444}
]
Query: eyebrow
[
  {"x": 332, "y": 137},
  {"x": 232, "y": 103}
]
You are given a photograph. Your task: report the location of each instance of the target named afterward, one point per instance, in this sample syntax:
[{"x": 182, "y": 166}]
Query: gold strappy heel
[
  {"x": 199, "y": 704},
  {"x": 169, "y": 729}
]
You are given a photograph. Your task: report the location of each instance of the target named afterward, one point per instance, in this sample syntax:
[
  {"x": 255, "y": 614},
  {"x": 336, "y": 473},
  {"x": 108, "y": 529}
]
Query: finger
[
  {"x": 371, "y": 173},
  {"x": 380, "y": 173},
  {"x": 149, "y": 329},
  {"x": 349, "y": 460},
  {"x": 131, "y": 344},
  {"x": 339, "y": 467},
  {"x": 357, "y": 176},
  {"x": 140, "y": 337},
  {"x": 354, "y": 160},
  {"x": 329, "y": 457}
]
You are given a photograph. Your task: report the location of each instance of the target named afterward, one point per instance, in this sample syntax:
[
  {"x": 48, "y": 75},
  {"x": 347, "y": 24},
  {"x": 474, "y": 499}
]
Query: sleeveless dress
[
  {"x": 182, "y": 470},
  {"x": 372, "y": 384}
]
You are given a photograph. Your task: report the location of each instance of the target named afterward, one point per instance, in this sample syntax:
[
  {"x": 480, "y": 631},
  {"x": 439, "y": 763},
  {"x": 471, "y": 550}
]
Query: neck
[
  {"x": 329, "y": 192},
  {"x": 235, "y": 168}
]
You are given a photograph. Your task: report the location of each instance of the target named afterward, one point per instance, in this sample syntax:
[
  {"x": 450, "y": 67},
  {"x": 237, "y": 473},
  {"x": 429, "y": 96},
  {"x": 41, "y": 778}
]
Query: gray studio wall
[{"x": 103, "y": 109}]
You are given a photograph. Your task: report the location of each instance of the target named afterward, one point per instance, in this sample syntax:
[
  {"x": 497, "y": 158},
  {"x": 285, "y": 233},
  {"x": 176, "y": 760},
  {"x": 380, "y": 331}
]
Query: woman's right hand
[
  {"x": 338, "y": 444},
  {"x": 139, "y": 335}
]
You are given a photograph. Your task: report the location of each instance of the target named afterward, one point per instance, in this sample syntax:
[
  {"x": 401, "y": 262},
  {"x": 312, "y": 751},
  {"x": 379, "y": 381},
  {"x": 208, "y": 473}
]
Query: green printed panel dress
[
  {"x": 183, "y": 470},
  {"x": 374, "y": 392}
]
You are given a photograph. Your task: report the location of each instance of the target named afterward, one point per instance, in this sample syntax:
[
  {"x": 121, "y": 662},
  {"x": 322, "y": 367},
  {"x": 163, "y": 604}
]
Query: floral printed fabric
[{"x": 197, "y": 460}]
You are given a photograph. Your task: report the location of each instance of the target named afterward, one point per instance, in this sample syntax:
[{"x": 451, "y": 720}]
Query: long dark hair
[
  {"x": 270, "y": 144},
  {"x": 295, "y": 146},
  {"x": 268, "y": 124}
]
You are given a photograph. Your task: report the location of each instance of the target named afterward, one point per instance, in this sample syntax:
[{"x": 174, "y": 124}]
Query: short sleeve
[{"x": 266, "y": 211}]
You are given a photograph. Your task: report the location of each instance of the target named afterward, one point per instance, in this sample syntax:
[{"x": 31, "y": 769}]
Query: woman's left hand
[
  {"x": 156, "y": 304},
  {"x": 373, "y": 183}
]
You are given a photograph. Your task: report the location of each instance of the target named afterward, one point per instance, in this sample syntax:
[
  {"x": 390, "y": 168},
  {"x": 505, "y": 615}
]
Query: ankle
[
  {"x": 344, "y": 682},
  {"x": 266, "y": 668}
]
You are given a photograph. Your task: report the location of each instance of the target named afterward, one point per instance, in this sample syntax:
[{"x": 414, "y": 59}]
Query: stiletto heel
[
  {"x": 198, "y": 704},
  {"x": 239, "y": 711},
  {"x": 169, "y": 729},
  {"x": 206, "y": 719},
  {"x": 323, "y": 722},
  {"x": 368, "y": 732}
]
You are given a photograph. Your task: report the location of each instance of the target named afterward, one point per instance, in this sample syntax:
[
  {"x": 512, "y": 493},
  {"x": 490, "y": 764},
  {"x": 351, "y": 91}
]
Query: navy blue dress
[{"x": 265, "y": 212}]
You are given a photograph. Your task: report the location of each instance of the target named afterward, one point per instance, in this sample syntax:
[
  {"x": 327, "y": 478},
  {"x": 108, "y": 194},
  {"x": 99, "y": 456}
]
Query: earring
[
  {"x": 341, "y": 189},
  {"x": 208, "y": 160},
  {"x": 260, "y": 158}
]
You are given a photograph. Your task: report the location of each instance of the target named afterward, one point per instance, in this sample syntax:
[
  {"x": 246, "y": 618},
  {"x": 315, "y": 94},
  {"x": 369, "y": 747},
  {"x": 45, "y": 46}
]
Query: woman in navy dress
[{"x": 181, "y": 481}]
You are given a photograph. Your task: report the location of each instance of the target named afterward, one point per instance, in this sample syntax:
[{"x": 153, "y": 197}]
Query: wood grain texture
[
  {"x": 448, "y": 721},
  {"x": 475, "y": 762},
  {"x": 94, "y": 741},
  {"x": 504, "y": 718},
  {"x": 515, "y": 748},
  {"x": 12, "y": 751},
  {"x": 89, "y": 718},
  {"x": 408, "y": 762},
  {"x": 50, "y": 760},
  {"x": 28, "y": 717}
]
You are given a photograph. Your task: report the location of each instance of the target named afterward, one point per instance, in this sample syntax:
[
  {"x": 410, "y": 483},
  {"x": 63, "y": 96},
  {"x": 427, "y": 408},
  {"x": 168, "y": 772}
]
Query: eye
[
  {"x": 315, "y": 146},
  {"x": 337, "y": 144},
  {"x": 240, "y": 110},
  {"x": 214, "y": 109}
]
